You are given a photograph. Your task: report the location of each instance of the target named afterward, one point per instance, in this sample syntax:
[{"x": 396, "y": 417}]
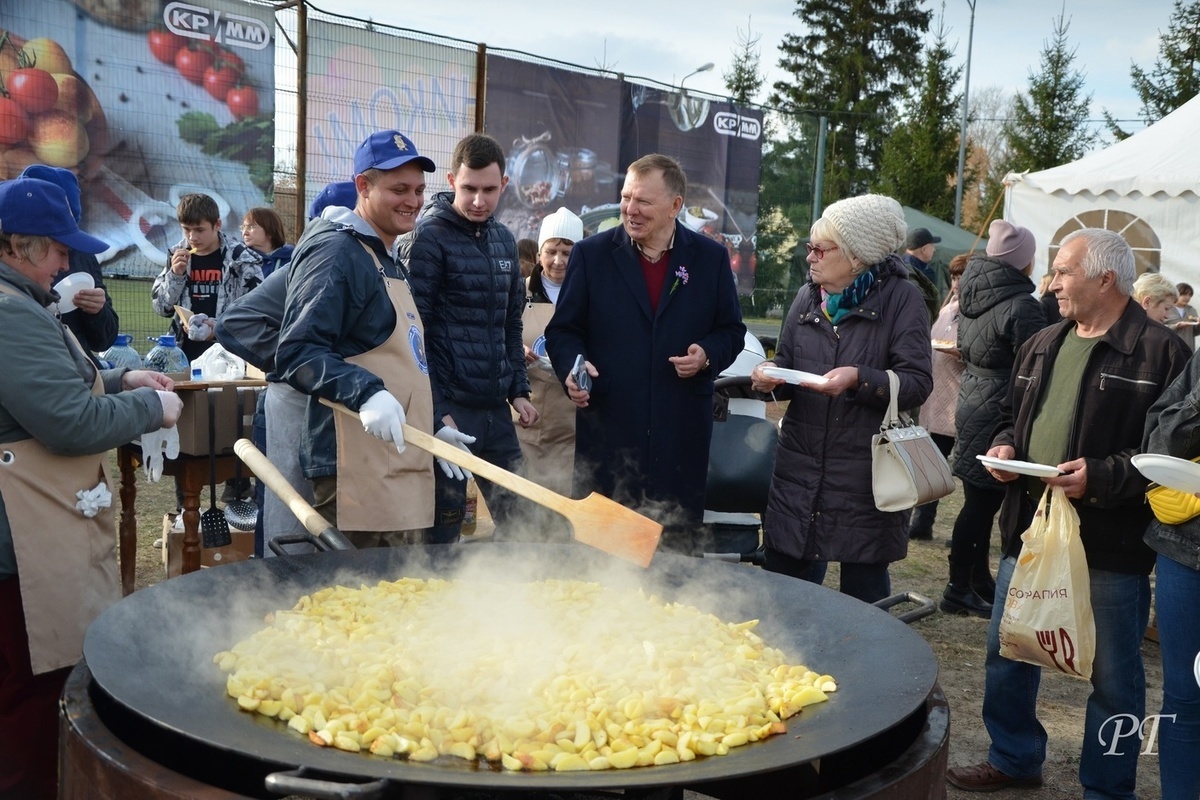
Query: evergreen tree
[
  {"x": 745, "y": 79},
  {"x": 1049, "y": 123},
  {"x": 853, "y": 62},
  {"x": 1175, "y": 77},
  {"x": 920, "y": 158},
  {"x": 783, "y": 199}
]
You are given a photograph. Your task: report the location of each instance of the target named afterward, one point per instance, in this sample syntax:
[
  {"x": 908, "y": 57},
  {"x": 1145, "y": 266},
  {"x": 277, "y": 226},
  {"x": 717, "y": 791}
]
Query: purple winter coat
[{"x": 820, "y": 505}]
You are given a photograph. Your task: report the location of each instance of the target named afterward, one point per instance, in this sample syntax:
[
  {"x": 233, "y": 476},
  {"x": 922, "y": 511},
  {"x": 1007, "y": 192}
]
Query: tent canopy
[
  {"x": 955, "y": 240},
  {"x": 1161, "y": 159},
  {"x": 1143, "y": 188}
]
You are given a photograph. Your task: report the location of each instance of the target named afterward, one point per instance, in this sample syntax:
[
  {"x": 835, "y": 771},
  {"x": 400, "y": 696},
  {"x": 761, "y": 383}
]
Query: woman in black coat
[
  {"x": 998, "y": 313},
  {"x": 859, "y": 316}
]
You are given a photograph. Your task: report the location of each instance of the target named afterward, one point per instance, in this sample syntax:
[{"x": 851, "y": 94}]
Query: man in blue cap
[
  {"x": 250, "y": 328},
  {"x": 351, "y": 334},
  {"x": 93, "y": 319}
]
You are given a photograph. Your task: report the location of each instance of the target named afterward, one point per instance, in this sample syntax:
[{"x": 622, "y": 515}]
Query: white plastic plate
[
  {"x": 942, "y": 344},
  {"x": 793, "y": 375},
  {"x": 1174, "y": 473},
  {"x": 1021, "y": 467},
  {"x": 69, "y": 286}
]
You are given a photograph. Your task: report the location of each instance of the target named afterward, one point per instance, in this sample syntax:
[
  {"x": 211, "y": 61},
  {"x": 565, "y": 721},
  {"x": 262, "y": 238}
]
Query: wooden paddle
[
  {"x": 269, "y": 474},
  {"x": 595, "y": 520}
]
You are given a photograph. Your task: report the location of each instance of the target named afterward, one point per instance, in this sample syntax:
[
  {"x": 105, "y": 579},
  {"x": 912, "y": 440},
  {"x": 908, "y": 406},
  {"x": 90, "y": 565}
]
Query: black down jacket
[
  {"x": 467, "y": 284},
  {"x": 998, "y": 313}
]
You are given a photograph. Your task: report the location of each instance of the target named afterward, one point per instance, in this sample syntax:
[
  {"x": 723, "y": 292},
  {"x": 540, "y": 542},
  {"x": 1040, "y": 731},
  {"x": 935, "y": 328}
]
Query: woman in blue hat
[{"x": 59, "y": 415}]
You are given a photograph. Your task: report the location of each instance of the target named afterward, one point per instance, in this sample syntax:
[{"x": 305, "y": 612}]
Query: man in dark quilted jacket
[{"x": 466, "y": 280}]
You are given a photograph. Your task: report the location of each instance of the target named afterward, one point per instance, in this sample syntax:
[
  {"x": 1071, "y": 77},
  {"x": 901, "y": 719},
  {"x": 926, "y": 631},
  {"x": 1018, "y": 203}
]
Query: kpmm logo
[
  {"x": 418, "y": 348},
  {"x": 208, "y": 24}
]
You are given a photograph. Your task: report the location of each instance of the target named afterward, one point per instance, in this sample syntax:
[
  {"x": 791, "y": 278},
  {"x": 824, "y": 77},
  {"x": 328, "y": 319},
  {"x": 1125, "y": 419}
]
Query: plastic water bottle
[
  {"x": 166, "y": 356},
  {"x": 122, "y": 354}
]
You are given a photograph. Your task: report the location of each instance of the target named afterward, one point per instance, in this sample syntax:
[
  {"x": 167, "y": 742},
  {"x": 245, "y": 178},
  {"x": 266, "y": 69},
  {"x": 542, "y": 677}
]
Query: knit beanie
[
  {"x": 871, "y": 226},
  {"x": 1010, "y": 243},
  {"x": 562, "y": 224}
]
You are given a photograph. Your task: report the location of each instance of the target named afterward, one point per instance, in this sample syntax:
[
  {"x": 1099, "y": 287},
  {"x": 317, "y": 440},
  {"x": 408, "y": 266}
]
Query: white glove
[
  {"x": 92, "y": 500},
  {"x": 156, "y": 444},
  {"x": 460, "y": 440},
  {"x": 200, "y": 328},
  {"x": 172, "y": 405},
  {"x": 382, "y": 416}
]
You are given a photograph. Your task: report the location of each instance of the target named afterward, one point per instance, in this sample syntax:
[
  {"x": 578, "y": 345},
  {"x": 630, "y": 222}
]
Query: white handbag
[{"x": 907, "y": 469}]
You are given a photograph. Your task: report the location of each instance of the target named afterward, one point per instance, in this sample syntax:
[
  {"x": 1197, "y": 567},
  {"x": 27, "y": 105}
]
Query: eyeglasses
[
  {"x": 819, "y": 250},
  {"x": 250, "y": 227}
]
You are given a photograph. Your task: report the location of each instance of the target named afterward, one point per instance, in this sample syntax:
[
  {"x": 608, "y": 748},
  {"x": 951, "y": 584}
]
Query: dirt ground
[{"x": 958, "y": 643}]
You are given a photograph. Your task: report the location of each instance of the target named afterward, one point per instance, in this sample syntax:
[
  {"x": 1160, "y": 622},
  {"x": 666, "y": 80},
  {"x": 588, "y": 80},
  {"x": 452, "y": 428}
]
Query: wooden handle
[
  {"x": 455, "y": 455},
  {"x": 266, "y": 472}
]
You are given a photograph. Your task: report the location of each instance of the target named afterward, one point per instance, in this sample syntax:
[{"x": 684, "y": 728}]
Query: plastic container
[
  {"x": 166, "y": 356},
  {"x": 122, "y": 354}
]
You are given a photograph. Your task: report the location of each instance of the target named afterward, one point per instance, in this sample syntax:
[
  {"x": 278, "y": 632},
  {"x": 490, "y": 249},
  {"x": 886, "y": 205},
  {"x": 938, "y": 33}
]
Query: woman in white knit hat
[
  {"x": 857, "y": 317},
  {"x": 549, "y": 446}
]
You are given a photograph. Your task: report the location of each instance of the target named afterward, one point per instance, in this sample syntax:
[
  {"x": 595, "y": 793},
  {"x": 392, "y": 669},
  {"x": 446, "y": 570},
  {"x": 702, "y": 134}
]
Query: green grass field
[{"x": 131, "y": 300}]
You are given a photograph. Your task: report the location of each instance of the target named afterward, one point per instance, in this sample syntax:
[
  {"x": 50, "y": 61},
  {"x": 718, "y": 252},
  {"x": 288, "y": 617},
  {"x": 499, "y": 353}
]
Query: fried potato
[{"x": 422, "y": 669}]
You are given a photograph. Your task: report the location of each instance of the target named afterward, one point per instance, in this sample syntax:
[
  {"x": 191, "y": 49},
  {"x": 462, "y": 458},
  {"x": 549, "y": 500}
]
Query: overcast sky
[{"x": 665, "y": 41}]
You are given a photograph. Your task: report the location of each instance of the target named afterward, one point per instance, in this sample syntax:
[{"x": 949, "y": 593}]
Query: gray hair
[{"x": 1107, "y": 251}]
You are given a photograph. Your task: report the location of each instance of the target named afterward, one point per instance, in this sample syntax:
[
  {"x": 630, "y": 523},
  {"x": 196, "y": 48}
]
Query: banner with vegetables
[{"x": 145, "y": 101}]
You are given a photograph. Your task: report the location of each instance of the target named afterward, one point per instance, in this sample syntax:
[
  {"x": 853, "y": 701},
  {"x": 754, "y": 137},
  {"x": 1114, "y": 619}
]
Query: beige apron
[
  {"x": 66, "y": 562},
  {"x": 548, "y": 446},
  {"x": 379, "y": 489}
]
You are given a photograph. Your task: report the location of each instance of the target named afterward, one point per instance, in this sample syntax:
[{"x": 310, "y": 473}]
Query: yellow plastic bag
[{"x": 1047, "y": 617}]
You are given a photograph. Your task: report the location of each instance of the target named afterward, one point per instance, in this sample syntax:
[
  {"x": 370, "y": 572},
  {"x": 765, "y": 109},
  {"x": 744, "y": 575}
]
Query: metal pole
[
  {"x": 962, "y": 128},
  {"x": 301, "y": 116},
  {"x": 819, "y": 178}
]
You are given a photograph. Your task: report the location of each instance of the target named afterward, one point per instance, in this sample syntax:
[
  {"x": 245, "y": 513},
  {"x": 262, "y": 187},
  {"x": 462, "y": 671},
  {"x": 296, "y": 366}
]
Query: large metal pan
[{"x": 152, "y": 653}]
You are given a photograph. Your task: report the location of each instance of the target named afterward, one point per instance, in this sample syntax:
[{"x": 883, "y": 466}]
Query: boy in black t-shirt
[{"x": 207, "y": 271}]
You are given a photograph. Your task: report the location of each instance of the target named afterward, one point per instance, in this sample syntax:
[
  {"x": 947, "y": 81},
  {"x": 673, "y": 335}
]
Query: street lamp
[
  {"x": 701, "y": 68},
  {"x": 962, "y": 128}
]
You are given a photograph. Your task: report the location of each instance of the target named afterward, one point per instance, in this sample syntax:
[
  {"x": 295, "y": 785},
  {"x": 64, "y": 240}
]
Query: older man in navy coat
[{"x": 652, "y": 307}]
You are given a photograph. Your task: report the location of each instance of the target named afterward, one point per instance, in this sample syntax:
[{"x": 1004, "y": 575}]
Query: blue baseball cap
[
  {"x": 388, "y": 150},
  {"x": 64, "y": 178},
  {"x": 340, "y": 193},
  {"x": 40, "y": 208}
]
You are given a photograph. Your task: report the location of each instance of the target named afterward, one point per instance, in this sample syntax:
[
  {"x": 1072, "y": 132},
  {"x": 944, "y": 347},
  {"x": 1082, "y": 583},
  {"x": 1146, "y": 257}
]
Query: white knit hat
[
  {"x": 871, "y": 226},
  {"x": 562, "y": 224}
]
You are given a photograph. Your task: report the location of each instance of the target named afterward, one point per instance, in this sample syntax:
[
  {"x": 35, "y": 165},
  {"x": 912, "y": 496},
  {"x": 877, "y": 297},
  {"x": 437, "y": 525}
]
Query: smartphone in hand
[{"x": 579, "y": 372}]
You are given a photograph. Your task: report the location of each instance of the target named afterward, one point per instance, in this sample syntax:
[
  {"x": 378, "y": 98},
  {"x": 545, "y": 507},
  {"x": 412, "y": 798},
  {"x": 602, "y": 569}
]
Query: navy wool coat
[{"x": 643, "y": 439}]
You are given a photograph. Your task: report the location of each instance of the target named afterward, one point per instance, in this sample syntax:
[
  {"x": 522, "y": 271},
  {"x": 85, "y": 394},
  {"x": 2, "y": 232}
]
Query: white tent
[{"x": 1144, "y": 187}]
